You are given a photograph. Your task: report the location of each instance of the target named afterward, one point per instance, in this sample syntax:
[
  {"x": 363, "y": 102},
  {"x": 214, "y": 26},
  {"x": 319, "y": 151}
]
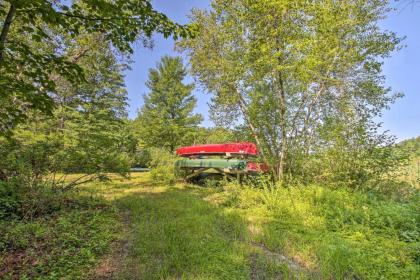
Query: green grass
[
  {"x": 178, "y": 235},
  {"x": 170, "y": 233},
  {"x": 338, "y": 234},
  {"x": 230, "y": 232},
  {"x": 180, "y": 232}
]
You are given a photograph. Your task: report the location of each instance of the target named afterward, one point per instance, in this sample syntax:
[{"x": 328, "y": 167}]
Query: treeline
[
  {"x": 63, "y": 98},
  {"x": 303, "y": 81}
]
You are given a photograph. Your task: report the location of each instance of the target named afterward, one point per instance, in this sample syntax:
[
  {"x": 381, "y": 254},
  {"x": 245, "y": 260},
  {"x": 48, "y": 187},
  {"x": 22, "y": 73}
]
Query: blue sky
[{"x": 402, "y": 70}]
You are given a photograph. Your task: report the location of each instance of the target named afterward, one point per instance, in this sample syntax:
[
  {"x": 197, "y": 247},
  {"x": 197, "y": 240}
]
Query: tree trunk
[
  {"x": 242, "y": 106},
  {"x": 283, "y": 127},
  {"x": 5, "y": 31}
]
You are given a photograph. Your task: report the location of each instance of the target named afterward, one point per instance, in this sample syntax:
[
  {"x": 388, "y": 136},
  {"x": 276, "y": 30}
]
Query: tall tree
[
  {"x": 166, "y": 118},
  {"x": 287, "y": 66},
  {"x": 87, "y": 130},
  {"x": 32, "y": 49}
]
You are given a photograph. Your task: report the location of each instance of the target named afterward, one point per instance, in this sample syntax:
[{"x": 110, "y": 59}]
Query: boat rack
[{"x": 232, "y": 160}]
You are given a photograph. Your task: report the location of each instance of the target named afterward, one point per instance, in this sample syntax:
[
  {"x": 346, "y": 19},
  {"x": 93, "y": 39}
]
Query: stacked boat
[{"x": 228, "y": 159}]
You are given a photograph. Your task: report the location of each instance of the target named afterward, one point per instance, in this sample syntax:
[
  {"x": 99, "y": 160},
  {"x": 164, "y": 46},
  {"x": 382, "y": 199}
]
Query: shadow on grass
[{"x": 177, "y": 235}]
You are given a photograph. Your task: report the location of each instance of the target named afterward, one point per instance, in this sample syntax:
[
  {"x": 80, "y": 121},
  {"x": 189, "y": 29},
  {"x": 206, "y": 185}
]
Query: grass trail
[
  {"x": 134, "y": 229},
  {"x": 177, "y": 233},
  {"x": 189, "y": 232}
]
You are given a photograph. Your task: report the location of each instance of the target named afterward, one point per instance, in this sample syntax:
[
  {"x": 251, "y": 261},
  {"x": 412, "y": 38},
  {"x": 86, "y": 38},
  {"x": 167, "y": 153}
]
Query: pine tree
[{"x": 166, "y": 119}]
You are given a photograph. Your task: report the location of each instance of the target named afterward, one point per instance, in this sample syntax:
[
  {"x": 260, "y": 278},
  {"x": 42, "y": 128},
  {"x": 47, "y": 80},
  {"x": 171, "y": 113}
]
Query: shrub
[
  {"x": 162, "y": 166},
  {"x": 142, "y": 158},
  {"x": 9, "y": 200},
  {"x": 20, "y": 201},
  {"x": 62, "y": 246}
]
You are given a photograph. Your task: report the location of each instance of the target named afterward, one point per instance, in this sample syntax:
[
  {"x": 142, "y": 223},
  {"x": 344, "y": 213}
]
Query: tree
[
  {"x": 91, "y": 116},
  {"x": 166, "y": 118},
  {"x": 87, "y": 132},
  {"x": 32, "y": 49},
  {"x": 289, "y": 66},
  {"x": 214, "y": 135}
]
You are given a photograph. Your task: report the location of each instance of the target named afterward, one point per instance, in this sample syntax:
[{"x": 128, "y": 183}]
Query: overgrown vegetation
[
  {"x": 336, "y": 233},
  {"x": 244, "y": 232},
  {"x": 269, "y": 232},
  {"x": 410, "y": 172},
  {"x": 50, "y": 234},
  {"x": 302, "y": 80},
  {"x": 34, "y": 40}
]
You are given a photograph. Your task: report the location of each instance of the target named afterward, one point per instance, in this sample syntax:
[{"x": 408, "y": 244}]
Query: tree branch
[
  {"x": 74, "y": 183},
  {"x": 283, "y": 124},
  {"x": 89, "y": 18}
]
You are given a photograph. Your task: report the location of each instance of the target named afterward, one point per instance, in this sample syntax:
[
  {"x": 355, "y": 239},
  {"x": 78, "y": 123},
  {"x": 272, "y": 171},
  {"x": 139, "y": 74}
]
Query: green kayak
[{"x": 238, "y": 164}]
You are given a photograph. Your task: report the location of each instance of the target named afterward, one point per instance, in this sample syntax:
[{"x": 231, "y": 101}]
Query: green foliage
[
  {"x": 411, "y": 171},
  {"x": 33, "y": 47},
  {"x": 27, "y": 157},
  {"x": 166, "y": 119},
  {"x": 87, "y": 132},
  {"x": 214, "y": 135},
  {"x": 340, "y": 234},
  {"x": 162, "y": 165},
  {"x": 285, "y": 68},
  {"x": 142, "y": 158},
  {"x": 65, "y": 244},
  {"x": 412, "y": 146},
  {"x": 20, "y": 201},
  {"x": 49, "y": 234},
  {"x": 350, "y": 155}
]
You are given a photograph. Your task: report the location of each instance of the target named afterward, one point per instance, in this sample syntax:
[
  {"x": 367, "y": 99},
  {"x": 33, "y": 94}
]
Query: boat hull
[
  {"x": 231, "y": 164},
  {"x": 243, "y": 148}
]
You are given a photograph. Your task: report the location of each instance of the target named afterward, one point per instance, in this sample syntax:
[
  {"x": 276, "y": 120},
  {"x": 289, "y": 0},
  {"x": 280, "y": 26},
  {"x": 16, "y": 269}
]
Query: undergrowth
[
  {"x": 335, "y": 233},
  {"x": 48, "y": 234},
  {"x": 223, "y": 231}
]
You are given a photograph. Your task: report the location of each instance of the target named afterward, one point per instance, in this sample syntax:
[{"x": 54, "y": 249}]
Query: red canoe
[{"x": 243, "y": 148}]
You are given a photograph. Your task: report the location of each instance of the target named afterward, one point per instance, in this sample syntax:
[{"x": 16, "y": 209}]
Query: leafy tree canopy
[
  {"x": 87, "y": 131},
  {"x": 288, "y": 68},
  {"x": 33, "y": 45}
]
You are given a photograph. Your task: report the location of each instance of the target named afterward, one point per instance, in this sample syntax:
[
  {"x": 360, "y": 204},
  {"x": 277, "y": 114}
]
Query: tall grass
[{"x": 338, "y": 233}]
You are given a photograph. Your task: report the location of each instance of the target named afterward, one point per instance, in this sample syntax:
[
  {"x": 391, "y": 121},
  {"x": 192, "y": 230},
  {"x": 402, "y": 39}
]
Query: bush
[
  {"x": 29, "y": 160},
  {"x": 20, "y": 201},
  {"x": 162, "y": 166},
  {"x": 9, "y": 201},
  {"x": 142, "y": 158}
]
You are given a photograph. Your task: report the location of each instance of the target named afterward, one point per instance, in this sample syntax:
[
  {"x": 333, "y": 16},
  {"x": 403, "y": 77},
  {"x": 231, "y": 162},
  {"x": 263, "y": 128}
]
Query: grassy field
[{"x": 135, "y": 229}]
